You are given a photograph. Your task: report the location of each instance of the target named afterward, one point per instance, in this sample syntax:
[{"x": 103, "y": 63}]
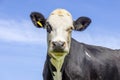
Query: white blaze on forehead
[
  {"x": 61, "y": 12},
  {"x": 60, "y": 18}
]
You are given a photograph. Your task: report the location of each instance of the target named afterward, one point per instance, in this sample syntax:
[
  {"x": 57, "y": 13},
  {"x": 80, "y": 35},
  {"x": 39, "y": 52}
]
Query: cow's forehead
[
  {"x": 60, "y": 17},
  {"x": 61, "y": 12}
]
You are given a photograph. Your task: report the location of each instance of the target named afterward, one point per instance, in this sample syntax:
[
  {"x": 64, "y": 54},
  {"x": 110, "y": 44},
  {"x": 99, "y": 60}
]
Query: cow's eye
[
  {"x": 48, "y": 27},
  {"x": 69, "y": 29}
]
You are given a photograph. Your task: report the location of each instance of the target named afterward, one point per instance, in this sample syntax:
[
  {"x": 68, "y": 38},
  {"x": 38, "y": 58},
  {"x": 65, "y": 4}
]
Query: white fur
[{"x": 60, "y": 20}]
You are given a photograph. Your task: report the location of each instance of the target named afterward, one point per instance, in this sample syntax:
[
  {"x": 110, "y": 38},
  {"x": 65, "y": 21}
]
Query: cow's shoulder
[
  {"x": 90, "y": 61},
  {"x": 93, "y": 53},
  {"x": 102, "y": 57},
  {"x": 103, "y": 60},
  {"x": 92, "y": 49},
  {"x": 100, "y": 53},
  {"x": 98, "y": 50}
]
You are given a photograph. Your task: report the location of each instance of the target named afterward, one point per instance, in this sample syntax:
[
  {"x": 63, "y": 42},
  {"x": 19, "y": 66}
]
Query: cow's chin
[{"x": 58, "y": 54}]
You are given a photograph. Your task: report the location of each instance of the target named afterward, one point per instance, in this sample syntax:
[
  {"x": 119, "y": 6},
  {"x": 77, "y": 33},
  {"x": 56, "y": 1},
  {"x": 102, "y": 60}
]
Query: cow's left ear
[
  {"x": 38, "y": 19},
  {"x": 81, "y": 23}
]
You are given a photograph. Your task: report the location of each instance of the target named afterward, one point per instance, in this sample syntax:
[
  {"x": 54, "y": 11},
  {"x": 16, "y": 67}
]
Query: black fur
[
  {"x": 81, "y": 23},
  {"x": 36, "y": 16},
  {"x": 104, "y": 63}
]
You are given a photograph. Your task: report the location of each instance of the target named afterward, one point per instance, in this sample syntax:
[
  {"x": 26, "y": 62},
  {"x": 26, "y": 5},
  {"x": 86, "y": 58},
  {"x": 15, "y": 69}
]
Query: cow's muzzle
[{"x": 58, "y": 46}]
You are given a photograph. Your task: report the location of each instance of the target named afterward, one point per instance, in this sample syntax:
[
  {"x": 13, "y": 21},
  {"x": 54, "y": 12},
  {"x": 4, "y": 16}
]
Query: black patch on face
[{"x": 48, "y": 27}]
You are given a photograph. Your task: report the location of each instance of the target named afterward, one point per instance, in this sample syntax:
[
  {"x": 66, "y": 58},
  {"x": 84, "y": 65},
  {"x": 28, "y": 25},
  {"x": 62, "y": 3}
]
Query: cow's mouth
[{"x": 58, "y": 52}]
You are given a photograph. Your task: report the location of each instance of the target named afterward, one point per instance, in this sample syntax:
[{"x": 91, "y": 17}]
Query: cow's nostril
[
  {"x": 58, "y": 44},
  {"x": 62, "y": 44},
  {"x": 54, "y": 43}
]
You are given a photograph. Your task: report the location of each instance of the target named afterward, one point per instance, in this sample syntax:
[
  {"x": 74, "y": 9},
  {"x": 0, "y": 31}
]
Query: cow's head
[{"x": 59, "y": 26}]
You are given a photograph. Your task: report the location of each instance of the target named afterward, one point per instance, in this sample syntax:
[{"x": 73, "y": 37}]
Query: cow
[{"x": 68, "y": 59}]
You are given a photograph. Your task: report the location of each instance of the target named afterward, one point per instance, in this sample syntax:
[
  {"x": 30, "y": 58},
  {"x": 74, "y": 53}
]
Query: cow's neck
[
  {"x": 57, "y": 62},
  {"x": 58, "y": 65}
]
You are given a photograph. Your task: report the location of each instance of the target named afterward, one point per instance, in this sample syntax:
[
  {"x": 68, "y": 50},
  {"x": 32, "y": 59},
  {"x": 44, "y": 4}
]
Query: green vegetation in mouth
[{"x": 57, "y": 55}]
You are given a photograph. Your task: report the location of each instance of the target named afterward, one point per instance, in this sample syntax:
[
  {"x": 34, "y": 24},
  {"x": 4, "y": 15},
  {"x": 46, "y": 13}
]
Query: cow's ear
[
  {"x": 81, "y": 23},
  {"x": 37, "y": 19}
]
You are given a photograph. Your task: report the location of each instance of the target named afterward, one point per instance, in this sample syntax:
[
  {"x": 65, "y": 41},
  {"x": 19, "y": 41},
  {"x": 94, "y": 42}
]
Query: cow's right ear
[
  {"x": 37, "y": 19},
  {"x": 81, "y": 23}
]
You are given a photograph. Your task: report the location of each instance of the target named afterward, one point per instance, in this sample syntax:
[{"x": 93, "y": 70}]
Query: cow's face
[{"x": 59, "y": 26}]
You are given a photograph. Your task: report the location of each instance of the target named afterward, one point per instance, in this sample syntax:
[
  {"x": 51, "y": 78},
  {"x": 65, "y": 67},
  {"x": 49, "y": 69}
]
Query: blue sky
[{"x": 23, "y": 47}]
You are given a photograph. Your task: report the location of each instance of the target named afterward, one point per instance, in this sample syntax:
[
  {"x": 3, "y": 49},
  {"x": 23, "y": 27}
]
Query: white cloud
[{"x": 21, "y": 31}]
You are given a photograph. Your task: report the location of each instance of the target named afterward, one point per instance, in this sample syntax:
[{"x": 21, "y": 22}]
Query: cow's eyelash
[{"x": 69, "y": 29}]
